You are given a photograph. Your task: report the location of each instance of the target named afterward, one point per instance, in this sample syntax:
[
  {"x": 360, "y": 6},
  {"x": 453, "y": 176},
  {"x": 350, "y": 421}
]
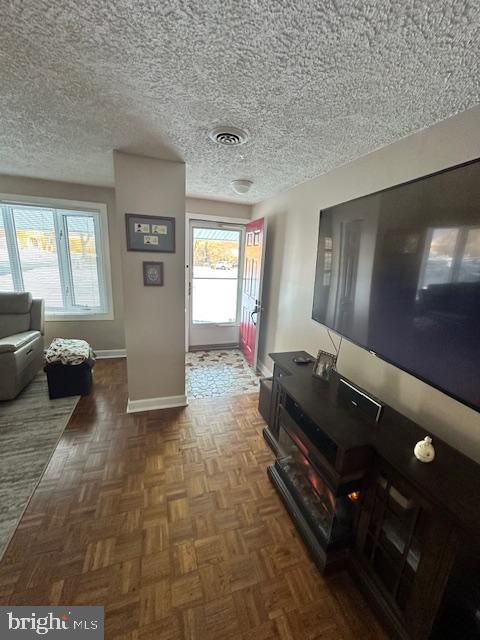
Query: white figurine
[{"x": 424, "y": 450}]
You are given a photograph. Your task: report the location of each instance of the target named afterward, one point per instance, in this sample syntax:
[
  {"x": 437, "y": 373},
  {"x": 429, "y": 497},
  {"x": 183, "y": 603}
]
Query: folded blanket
[{"x": 67, "y": 351}]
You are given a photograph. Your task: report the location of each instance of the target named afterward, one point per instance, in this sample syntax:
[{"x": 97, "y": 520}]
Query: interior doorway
[{"x": 214, "y": 275}]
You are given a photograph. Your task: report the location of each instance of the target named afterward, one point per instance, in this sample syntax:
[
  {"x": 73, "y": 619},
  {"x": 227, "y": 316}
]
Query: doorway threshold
[{"x": 213, "y": 347}]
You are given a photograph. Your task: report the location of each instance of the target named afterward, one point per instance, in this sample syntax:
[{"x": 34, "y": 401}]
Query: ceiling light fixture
[
  {"x": 228, "y": 136},
  {"x": 241, "y": 186}
]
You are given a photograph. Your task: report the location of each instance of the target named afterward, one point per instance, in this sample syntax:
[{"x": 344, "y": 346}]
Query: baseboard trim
[
  {"x": 265, "y": 372},
  {"x": 151, "y": 404},
  {"x": 104, "y": 354}
]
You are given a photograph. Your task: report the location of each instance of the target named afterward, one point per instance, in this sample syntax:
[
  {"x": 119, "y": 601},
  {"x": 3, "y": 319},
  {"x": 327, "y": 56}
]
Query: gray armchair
[{"x": 21, "y": 341}]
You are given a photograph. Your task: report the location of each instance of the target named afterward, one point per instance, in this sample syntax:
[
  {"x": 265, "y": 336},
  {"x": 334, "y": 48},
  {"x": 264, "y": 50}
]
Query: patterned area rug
[
  {"x": 219, "y": 373},
  {"x": 30, "y": 427}
]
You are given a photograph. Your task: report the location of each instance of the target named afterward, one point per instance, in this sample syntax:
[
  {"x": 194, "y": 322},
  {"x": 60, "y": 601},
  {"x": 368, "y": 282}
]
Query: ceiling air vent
[{"x": 229, "y": 136}]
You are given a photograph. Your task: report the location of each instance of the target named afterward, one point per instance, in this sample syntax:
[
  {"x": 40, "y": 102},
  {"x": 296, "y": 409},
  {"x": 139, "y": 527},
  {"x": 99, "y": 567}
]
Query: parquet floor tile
[{"x": 168, "y": 520}]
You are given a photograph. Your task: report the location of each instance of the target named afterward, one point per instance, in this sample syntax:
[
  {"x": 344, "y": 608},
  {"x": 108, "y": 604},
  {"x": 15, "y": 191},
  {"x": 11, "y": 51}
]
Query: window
[
  {"x": 452, "y": 254},
  {"x": 438, "y": 268},
  {"x": 58, "y": 254},
  {"x": 469, "y": 263}
]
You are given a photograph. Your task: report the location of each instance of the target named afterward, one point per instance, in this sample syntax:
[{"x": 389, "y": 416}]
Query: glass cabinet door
[
  {"x": 394, "y": 536},
  {"x": 405, "y": 547}
]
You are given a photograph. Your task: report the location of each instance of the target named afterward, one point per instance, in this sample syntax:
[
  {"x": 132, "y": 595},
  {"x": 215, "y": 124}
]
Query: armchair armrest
[{"x": 37, "y": 315}]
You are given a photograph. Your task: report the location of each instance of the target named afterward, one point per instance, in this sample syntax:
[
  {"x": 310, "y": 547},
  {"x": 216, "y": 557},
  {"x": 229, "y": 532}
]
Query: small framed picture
[
  {"x": 150, "y": 240},
  {"x": 153, "y": 274},
  {"x": 161, "y": 229},
  {"x": 324, "y": 365},
  {"x": 150, "y": 233}
]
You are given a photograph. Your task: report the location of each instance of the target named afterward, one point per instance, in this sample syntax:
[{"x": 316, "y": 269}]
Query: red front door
[{"x": 252, "y": 289}]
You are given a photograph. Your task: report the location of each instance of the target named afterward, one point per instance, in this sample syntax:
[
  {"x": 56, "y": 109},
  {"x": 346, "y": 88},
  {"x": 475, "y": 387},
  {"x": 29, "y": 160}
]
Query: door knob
[{"x": 257, "y": 310}]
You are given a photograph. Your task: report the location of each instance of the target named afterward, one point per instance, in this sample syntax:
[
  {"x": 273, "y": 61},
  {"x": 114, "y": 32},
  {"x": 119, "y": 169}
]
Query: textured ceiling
[{"x": 316, "y": 83}]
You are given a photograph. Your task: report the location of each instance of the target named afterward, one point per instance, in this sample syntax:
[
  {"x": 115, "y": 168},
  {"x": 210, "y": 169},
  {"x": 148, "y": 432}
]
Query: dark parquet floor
[{"x": 169, "y": 521}]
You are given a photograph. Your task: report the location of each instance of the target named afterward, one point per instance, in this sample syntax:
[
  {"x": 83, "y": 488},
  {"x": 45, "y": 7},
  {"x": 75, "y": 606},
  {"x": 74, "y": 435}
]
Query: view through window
[
  {"x": 215, "y": 275},
  {"x": 56, "y": 255},
  {"x": 452, "y": 255}
]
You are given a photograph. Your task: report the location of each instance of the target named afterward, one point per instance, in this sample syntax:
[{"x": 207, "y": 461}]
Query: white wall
[
  {"x": 292, "y": 233},
  {"x": 101, "y": 334},
  {"x": 154, "y": 316},
  {"x": 204, "y": 206}
]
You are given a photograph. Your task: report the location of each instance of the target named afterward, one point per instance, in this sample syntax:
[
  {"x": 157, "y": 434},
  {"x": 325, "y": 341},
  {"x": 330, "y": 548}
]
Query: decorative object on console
[
  {"x": 424, "y": 450},
  {"x": 153, "y": 274},
  {"x": 150, "y": 233},
  {"x": 324, "y": 365}
]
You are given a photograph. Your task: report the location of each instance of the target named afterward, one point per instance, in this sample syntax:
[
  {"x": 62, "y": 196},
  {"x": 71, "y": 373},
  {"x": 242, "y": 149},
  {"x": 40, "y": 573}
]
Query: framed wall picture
[
  {"x": 150, "y": 233},
  {"x": 153, "y": 274}
]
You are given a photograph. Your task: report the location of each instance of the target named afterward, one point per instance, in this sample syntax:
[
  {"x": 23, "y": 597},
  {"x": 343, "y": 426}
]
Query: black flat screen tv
[{"x": 398, "y": 273}]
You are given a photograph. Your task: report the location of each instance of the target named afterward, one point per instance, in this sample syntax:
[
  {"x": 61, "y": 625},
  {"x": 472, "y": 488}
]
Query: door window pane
[
  {"x": 6, "y": 280},
  {"x": 215, "y": 275},
  {"x": 37, "y": 249},
  {"x": 83, "y": 261},
  {"x": 214, "y": 300},
  {"x": 215, "y": 253}
]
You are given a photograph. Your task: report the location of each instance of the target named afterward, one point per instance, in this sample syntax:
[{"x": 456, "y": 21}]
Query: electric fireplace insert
[{"x": 308, "y": 475}]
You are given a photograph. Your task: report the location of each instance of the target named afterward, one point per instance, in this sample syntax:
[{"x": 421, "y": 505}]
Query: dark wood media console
[{"x": 409, "y": 532}]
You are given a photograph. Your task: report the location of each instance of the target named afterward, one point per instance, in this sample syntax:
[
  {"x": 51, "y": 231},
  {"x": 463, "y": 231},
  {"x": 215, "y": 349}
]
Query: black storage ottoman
[{"x": 68, "y": 379}]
